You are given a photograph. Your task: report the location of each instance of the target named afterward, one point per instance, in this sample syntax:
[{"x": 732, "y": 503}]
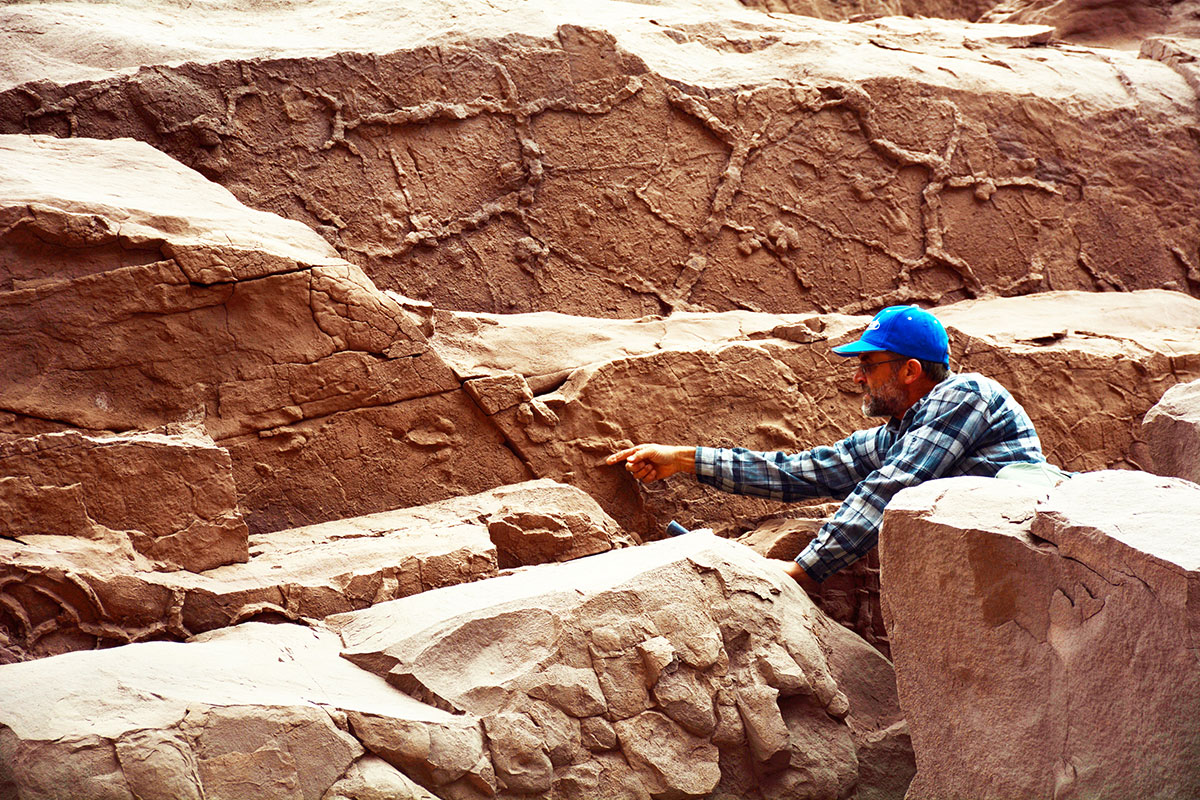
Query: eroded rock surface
[
  {"x": 1047, "y": 645},
  {"x": 616, "y": 159},
  {"x": 59, "y": 593},
  {"x": 254, "y": 711},
  {"x": 140, "y": 294},
  {"x": 168, "y": 496},
  {"x": 1085, "y": 366},
  {"x": 1112, "y": 23},
  {"x": 1172, "y": 432},
  {"x": 688, "y": 667}
]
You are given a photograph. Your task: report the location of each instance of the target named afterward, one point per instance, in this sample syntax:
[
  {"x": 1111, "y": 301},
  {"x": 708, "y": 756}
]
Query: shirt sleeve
[
  {"x": 935, "y": 440},
  {"x": 831, "y": 471}
]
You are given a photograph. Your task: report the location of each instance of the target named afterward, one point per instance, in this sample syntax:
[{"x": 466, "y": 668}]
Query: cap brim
[{"x": 855, "y": 348}]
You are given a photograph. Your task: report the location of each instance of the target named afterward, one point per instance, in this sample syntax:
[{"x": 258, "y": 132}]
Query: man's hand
[
  {"x": 652, "y": 462},
  {"x": 797, "y": 573}
]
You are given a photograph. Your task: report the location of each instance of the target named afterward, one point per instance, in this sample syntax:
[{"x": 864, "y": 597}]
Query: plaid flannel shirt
[{"x": 966, "y": 425}]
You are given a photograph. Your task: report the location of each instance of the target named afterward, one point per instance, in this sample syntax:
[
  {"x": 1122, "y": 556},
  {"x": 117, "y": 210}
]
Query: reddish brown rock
[
  {"x": 771, "y": 383},
  {"x": 616, "y": 159},
  {"x": 1172, "y": 432},
  {"x": 685, "y": 668},
  {"x": 269, "y": 711},
  {"x": 145, "y": 296},
  {"x": 1108, "y": 23},
  {"x": 851, "y": 596},
  {"x": 60, "y": 594},
  {"x": 1046, "y": 645},
  {"x": 869, "y": 9},
  {"x": 169, "y": 495}
]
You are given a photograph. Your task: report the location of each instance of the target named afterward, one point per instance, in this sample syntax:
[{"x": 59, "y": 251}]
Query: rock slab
[
  {"x": 1047, "y": 645},
  {"x": 60, "y": 593},
  {"x": 169, "y": 496},
  {"x": 688, "y": 667},
  {"x": 1172, "y": 432}
]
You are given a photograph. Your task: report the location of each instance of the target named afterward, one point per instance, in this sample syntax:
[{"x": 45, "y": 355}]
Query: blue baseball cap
[{"x": 904, "y": 330}]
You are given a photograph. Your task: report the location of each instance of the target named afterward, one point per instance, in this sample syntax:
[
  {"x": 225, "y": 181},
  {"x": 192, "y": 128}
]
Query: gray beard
[
  {"x": 874, "y": 407},
  {"x": 879, "y": 405}
]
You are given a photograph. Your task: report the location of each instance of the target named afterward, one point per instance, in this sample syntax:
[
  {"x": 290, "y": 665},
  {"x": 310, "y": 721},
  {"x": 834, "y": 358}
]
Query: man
[{"x": 938, "y": 425}]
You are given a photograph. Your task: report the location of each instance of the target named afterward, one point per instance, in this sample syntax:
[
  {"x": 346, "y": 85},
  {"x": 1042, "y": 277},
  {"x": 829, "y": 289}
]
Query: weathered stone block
[
  {"x": 170, "y": 496},
  {"x": 1171, "y": 429},
  {"x": 1020, "y": 619}
]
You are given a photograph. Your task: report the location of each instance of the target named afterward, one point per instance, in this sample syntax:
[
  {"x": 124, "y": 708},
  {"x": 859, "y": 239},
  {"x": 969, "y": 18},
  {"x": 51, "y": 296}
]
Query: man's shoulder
[{"x": 968, "y": 384}]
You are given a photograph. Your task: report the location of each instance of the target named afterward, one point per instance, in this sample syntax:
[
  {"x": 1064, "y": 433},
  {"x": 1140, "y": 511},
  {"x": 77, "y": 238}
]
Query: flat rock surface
[
  {"x": 167, "y": 495},
  {"x": 617, "y": 159},
  {"x": 1019, "y": 619},
  {"x": 1110, "y": 23},
  {"x": 138, "y": 298},
  {"x": 255, "y": 710}
]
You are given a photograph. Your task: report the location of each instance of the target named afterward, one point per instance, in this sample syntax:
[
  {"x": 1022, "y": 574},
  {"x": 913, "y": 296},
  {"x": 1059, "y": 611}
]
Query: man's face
[{"x": 883, "y": 396}]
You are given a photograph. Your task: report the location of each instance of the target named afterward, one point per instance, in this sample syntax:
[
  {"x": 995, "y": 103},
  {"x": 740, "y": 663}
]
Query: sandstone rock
[
  {"x": 1045, "y": 645},
  {"x": 1108, "y": 355},
  {"x": 64, "y": 594},
  {"x": 1106, "y": 23},
  {"x": 870, "y": 9},
  {"x": 141, "y": 297},
  {"x": 257, "y": 710},
  {"x": 615, "y": 159},
  {"x": 631, "y": 655},
  {"x": 372, "y": 778},
  {"x": 1172, "y": 432},
  {"x": 1182, "y": 55},
  {"x": 770, "y": 383},
  {"x": 171, "y": 496},
  {"x": 851, "y": 596}
]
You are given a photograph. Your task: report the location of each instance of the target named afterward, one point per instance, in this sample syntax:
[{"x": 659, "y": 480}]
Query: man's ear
[{"x": 911, "y": 371}]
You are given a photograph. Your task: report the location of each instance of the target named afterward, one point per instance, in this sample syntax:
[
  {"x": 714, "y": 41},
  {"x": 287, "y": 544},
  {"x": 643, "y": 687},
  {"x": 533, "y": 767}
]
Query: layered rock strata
[
  {"x": 1172, "y": 432},
  {"x": 332, "y": 399},
  {"x": 59, "y": 593},
  {"x": 1112, "y": 23},
  {"x": 1045, "y": 644},
  {"x": 136, "y": 294},
  {"x": 684, "y": 668},
  {"x": 253, "y": 711},
  {"x": 618, "y": 159}
]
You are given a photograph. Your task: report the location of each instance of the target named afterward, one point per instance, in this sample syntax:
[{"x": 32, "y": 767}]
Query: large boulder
[
  {"x": 60, "y": 593},
  {"x": 620, "y": 159},
  {"x": 688, "y": 667},
  {"x": 139, "y": 294},
  {"x": 254, "y": 711},
  {"x": 1045, "y": 641},
  {"x": 1171, "y": 429}
]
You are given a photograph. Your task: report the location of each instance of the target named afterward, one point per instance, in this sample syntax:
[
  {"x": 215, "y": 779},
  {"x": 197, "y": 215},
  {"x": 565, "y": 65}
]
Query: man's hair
[{"x": 936, "y": 371}]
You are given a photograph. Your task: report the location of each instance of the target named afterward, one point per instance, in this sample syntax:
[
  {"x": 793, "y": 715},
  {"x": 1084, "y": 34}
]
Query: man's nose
[{"x": 860, "y": 376}]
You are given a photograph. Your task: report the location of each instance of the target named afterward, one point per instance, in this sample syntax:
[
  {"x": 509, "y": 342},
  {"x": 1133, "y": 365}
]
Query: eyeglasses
[{"x": 867, "y": 366}]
